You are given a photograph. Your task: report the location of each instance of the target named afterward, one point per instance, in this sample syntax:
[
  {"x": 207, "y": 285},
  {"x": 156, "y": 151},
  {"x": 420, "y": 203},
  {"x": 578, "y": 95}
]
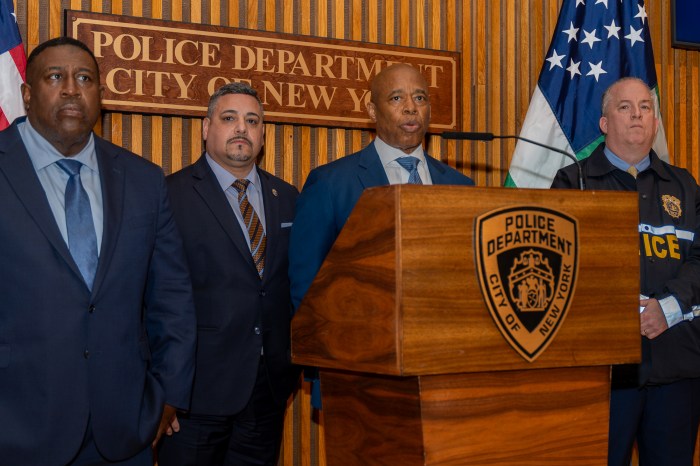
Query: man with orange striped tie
[{"x": 235, "y": 220}]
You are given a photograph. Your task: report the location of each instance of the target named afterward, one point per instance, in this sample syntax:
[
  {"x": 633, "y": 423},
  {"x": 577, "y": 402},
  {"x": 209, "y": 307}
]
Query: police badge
[
  {"x": 527, "y": 260},
  {"x": 672, "y": 205}
]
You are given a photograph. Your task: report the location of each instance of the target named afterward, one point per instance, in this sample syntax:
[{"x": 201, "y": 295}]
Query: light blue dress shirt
[
  {"x": 54, "y": 179},
  {"x": 395, "y": 172},
  {"x": 254, "y": 191},
  {"x": 622, "y": 165}
]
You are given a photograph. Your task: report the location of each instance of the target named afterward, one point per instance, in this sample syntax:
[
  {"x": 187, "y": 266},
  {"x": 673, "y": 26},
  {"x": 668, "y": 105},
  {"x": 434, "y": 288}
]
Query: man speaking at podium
[
  {"x": 400, "y": 108},
  {"x": 655, "y": 403}
]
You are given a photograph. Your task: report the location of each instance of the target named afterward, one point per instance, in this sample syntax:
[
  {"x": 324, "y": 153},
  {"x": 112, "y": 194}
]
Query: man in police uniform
[{"x": 655, "y": 403}]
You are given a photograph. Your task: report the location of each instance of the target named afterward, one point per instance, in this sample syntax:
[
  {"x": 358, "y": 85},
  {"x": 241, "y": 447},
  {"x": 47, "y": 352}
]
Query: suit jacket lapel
[
  {"x": 207, "y": 186},
  {"x": 21, "y": 176},
  {"x": 371, "y": 171},
  {"x": 436, "y": 169},
  {"x": 272, "y": 219},
  {"x": 113, "y": 185}
]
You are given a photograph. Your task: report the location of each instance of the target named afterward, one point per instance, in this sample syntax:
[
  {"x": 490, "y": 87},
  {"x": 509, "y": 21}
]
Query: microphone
[{"x": 467, "y": 136}]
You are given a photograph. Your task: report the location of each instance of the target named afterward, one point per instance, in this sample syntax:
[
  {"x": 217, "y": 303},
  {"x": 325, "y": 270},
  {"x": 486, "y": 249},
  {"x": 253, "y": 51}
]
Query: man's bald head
[{"x": 400, "y": 106}]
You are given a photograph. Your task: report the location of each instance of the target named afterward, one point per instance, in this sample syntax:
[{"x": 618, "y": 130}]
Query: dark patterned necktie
[
  {"x": 82, "y": 240},
  {"x": 253, "y": 224},
  {"x": 411, "y": 164}
]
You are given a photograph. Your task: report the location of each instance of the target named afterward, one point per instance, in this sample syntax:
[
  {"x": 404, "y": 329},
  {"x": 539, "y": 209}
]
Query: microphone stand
[{"x": 467, "y": 136}]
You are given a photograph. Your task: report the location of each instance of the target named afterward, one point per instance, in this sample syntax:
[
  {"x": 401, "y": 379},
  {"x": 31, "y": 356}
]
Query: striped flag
[
  {"x": 595, "y": 43},
  {"x": 13, "y": 63}
]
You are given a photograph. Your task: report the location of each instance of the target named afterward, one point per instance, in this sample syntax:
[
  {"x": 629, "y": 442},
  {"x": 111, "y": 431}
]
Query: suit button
[
  {"x": 258, "y": 331},
  {"x": 91, "y": 309},
  {"x": 86, "y": 354}
]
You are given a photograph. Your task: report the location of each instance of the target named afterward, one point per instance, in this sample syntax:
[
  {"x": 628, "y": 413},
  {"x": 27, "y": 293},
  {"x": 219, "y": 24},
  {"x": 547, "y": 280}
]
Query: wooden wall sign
[{"x": 167, "y": 67}]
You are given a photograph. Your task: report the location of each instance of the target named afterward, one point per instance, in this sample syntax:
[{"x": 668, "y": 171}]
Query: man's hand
[
  {"x": 652, "y": 319},
  {"x": 168, "y": 423}
]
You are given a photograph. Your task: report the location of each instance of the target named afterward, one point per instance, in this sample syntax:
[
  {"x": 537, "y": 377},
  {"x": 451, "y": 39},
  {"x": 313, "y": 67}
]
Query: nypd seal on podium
[{"x": 527, "y": 259}]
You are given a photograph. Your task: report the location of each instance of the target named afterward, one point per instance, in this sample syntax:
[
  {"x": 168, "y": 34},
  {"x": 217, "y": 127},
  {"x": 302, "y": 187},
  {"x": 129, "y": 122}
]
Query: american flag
[
  {"x": 13, "y": 63},
  {"x": 595, "y": 43}
]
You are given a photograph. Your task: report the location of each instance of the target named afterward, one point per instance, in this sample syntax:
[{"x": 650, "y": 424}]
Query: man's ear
[
  {"x": 26, "y": 90},
  {"x": 603, "y": 123},
  {"x": 205, "y": 128},
  {"x": 372, "y": 111}
]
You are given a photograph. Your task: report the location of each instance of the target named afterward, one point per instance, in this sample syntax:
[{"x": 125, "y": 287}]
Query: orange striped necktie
[{"x": 256, "y": 233}]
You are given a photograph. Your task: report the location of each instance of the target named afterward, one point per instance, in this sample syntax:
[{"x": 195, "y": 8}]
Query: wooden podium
[{"x": 414, "y": 369}]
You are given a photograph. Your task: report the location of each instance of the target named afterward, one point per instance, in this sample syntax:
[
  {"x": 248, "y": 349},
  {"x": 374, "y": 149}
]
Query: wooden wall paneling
[
  {"x": 373, "y": 13},
  {"x": 495, "y": 87},
  {"x": 55, "y": 18},
  {"x": 33, "y": 19},
  {"x": 308, "y": 140},
  {"x": 509, "y": 119},
  {"x": 304, "y": 17},
  {"x": 404, "y": 19},
  {"x": 215, "y": 11},
  {"x": 157, "y": 139},
  {"x": 525, "y": 86},
  {"x": 321, "y": 22},
  {"x": 356, "y": 144},
  {"x": 419, "y": 7},
  {"x": 234, "y": 11},
  {"x": 288, "y": 13},
  {"x": 325, "y": 141},
  {"x": 146, "y": 132},
  {"x": 286, "y": 162},
  {"x": 337, "y": 20},
  {"x": 176, "y": 146},
  {"x": 481, "y": 75},
  {"x": 273, "y": 147},
  {"x": 459, "y": 153},
  {"x": 137, "y": 134},
  {"x": 303, "y": 167},
  {"x": 196, "y": 143},
  {"x": 389, "y": 22},
  {"x": 176, "y": 10},
  {"x": 116, "y": 128},
  {"x": 252, "y": 10},
  {"x": 680, "y": 105},
  {"x": 339, "y": 147},
  {"x": 356, "y": 19}
]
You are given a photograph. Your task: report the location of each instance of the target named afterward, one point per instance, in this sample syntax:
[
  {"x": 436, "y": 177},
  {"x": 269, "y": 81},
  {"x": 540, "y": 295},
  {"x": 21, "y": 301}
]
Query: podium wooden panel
[{"x": 413, "y": 368}]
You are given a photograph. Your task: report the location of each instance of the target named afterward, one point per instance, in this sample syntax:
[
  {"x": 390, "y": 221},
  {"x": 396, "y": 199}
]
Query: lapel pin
[{"x": 274, "y": 192}]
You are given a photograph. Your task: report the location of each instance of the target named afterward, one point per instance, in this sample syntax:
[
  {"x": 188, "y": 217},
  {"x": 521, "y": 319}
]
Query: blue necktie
[
  {"x": 411, "y": 164},
  {"x": 82, "y": 241}
]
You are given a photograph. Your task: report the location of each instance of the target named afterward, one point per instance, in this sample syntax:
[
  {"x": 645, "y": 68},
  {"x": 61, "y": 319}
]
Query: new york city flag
[{"x": 595, "y": 43}]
